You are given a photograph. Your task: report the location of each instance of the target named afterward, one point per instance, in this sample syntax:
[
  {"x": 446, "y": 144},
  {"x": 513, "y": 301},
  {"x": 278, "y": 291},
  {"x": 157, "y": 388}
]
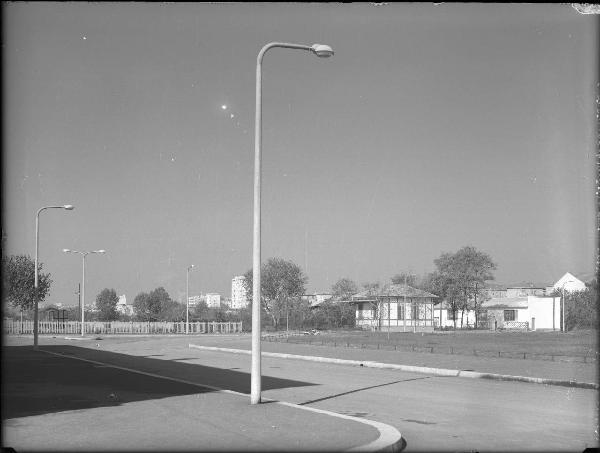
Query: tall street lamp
[
  {"x": 187, "y": 297},
  {"x": 321, "y": 50},
  {"x": 83, "y": 254},
  {"x": 68, "y": 207}
]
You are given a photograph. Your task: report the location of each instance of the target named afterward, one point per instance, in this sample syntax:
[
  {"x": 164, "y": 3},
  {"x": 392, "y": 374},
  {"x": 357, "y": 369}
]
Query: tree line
[{"x": 459, "y": 279}]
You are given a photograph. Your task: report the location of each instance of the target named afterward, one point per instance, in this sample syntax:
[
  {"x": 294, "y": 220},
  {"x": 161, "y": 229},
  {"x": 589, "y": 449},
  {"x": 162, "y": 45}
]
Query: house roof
[
  {"x": 393, "y": 290},
  {"x": 495, "y": 287},
  {"x": 505, "y": 302},
  {"x": 568, "y": 277}
]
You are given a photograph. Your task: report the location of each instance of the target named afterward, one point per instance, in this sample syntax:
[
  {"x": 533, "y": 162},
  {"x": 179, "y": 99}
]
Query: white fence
[
  {"x": 516, "y": 325},
  {"x": 16, "y": 327}
]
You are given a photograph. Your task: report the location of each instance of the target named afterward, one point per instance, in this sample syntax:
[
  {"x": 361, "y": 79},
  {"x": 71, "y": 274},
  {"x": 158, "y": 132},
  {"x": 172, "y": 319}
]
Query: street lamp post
[
  {"x": 83, "y": 254},
  {"x": 187, "y": 297},
  {"x": 320, "y": 50},
  {"x": 68, "y": 207}
]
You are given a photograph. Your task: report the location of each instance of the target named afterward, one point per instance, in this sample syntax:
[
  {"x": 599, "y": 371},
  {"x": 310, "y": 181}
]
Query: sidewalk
[{"x": 55, "y": 402}]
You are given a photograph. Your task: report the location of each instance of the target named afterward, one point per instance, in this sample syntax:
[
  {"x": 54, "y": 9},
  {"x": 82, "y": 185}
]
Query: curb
[{"x": 411, "y": 368}]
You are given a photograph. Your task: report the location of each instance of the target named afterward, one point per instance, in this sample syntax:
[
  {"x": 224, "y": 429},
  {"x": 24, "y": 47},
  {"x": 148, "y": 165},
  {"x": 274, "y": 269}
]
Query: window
[
  {"x": 451, "y": 315},
  {"x": 510, "y": 315}
]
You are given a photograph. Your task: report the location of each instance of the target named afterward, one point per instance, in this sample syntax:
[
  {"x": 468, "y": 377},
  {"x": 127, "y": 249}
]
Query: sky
[{"x": 433, "y": 127}]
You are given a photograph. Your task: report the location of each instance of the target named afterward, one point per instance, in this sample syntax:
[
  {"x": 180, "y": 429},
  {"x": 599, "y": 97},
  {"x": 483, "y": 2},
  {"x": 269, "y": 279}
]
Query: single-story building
[
  {"x": 401, "y": 308},
  {"x": 530, "y": 312}
]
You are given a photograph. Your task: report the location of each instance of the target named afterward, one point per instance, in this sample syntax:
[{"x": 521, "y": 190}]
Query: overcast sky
[{"x": 432, "y": 128}]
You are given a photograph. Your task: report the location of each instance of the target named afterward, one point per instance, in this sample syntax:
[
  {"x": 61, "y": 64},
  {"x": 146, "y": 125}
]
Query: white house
[
  {"x": 123, "y": 307},
  {"x": 569, "y": 283},
  {"x": 530, "y": 312}
]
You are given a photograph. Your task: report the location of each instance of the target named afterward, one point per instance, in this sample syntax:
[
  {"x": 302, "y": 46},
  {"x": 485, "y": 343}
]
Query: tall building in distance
[
  {"x": 213, "y": 300},
  {"x": 195, "y": 300},
  {"x": 238, "y": 293}
]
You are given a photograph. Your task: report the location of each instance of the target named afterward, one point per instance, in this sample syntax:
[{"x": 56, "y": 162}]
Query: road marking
[
  {"x": 411, "y": 368},
  {"x": 389, "y": 437}
]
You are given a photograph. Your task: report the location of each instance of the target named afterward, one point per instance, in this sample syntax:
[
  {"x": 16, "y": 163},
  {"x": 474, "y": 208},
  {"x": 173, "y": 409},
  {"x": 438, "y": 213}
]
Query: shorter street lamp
[
  {"x": 83, "y": 254},
  {"x": 68, "y": 207},
  {"x": 187, "y": 297}
]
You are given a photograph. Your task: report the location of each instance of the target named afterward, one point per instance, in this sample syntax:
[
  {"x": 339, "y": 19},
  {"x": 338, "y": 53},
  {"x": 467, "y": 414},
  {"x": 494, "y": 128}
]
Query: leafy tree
[
  {"x": 281, "y": 281},
  {"x": 581, "y": 307},
  {"x": 106, "y": 303},
  {"x": 156, "y": 306},
  {"x": 199, "y": 311},
  {"x": 462, "y": 276},
  {"x": 344, "y": 289},
  {"x": 18, "y": 281}
]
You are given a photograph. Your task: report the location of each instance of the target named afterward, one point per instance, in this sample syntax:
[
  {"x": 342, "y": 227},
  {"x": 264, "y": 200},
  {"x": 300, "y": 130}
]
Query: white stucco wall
[
  {"x": 469, "y": 317},
  {"x": 541, "y": 308}
]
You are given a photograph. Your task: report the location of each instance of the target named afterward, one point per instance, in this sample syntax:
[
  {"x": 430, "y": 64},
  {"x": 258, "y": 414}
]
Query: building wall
[
  {"x": 238, "y": 293},
  {"x": 447, "y": 321},
  {"x": 524, "y": 292},
  {"x": 495, "y": 292},
  {"x": 213, "y": 300},
  {"x": 541, "y": 308},
  {"x": 195, "y": 300}
]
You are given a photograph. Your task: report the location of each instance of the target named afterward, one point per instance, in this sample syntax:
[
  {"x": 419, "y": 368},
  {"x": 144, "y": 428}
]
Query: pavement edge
[{"x": 412, "y": 368}]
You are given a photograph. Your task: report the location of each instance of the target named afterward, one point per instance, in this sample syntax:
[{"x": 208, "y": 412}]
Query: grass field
[{"x": 582, "y": 343}]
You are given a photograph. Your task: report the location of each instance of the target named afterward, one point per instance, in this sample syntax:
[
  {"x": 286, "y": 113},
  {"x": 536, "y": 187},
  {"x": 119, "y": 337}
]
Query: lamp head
[
  {"x": 322, "y": 50},
  {"x": 67, "y": 250},
  {"x": 69, "y": 207},
  {"x": 100, "y": 251}
]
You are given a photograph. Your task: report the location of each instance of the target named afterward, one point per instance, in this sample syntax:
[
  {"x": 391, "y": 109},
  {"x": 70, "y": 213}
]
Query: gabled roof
[
  {"x": 392, "y": 290},
  {"x": 568, "y": 278}
]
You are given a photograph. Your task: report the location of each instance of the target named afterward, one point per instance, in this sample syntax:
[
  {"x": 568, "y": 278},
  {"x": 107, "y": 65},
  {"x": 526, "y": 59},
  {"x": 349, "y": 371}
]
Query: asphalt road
[
  {"x": 433, "y": 413},
  {"x": 69, "y": 398},
  {"x": 440, "y": 413}
]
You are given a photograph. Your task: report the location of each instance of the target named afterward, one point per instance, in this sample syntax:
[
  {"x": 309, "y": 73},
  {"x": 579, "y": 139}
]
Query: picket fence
[{"x": 16, "y": 327}]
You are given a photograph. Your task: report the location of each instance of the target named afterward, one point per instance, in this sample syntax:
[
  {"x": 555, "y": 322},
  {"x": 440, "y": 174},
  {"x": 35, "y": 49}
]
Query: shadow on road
[
  {"x": 361, "y": 389},
  {"x": 35, "y": 382}
]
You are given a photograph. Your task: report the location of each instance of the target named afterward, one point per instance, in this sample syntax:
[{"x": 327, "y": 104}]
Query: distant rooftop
[{"x": 392, "y": 290}]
